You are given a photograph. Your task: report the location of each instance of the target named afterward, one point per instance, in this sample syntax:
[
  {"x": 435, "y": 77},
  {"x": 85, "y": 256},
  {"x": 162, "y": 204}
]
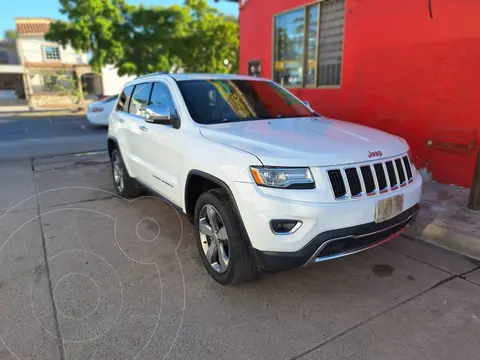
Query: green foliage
[
  {"x": 212, "y": 39},
  {"x": 95, "y": 26},
  {"x": 138, "y": 39},
  {"x": 62, "y": 83},
  {"x": 10, "y": 34}
]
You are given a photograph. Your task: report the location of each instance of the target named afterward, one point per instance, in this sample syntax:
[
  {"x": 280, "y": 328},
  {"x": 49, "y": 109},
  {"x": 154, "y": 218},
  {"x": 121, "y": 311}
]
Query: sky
[{"x": 10, "y": 9}]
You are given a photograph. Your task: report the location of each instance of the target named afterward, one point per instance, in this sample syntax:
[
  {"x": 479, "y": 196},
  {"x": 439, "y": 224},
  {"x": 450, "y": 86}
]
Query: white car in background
[{"x": 99, "y": 111}]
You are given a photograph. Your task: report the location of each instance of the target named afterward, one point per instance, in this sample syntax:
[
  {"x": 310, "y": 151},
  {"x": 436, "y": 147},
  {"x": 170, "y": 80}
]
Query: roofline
[
  {"x": 195, "y": 77},
  {"x": 45, "y": 19}
]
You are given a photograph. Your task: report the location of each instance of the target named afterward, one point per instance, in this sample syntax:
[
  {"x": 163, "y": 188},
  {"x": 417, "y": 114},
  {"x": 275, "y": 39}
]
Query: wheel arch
[
  {"x": 112, "y": 144},
  {"x": 192, "y": 194}
]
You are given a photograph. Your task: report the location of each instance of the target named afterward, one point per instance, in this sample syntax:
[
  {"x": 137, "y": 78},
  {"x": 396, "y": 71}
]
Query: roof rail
[{"x": 151, "y": 74}]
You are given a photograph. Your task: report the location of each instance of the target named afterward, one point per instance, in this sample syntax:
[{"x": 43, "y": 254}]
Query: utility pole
[{"x": 474, "y": 201}]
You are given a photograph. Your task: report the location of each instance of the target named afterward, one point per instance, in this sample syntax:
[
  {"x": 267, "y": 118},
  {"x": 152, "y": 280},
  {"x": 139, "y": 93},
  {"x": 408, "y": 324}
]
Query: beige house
[
  {"x": 40, "y": 73},
  {"x": 12, "y": 91}
]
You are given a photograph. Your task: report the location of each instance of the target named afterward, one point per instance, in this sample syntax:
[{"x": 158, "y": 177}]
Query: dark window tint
[
  {"x": 220, "y": 101},
  {"x": 161, "y": 96},
  {"x": 124, "y": 96},
  {"x": 139, "y": 100},
  {"x": 3, "y": 57}
]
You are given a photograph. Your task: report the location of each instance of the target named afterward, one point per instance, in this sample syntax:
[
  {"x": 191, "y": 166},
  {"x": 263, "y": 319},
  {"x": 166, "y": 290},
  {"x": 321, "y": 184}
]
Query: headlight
[{"x": 286, "y": 178}]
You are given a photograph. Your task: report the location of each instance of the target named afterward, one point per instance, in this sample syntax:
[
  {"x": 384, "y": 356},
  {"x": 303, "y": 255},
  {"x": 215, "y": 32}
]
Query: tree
[
  {"x": 152, "y": 37},
  {"x": 10, "y": 34},
  {"x": 139, "y": 39},
  {"x": 94, "y": 26},
  {"x": 62, "y": 83},
  {"x": 212, "y": 43}
]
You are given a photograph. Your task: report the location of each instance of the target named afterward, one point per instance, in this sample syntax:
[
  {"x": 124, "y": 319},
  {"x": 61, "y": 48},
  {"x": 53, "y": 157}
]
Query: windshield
[{"x": 221, "y": 101}]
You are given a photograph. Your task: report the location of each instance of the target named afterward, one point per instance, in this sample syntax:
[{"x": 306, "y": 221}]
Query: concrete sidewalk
[{"x": 445, "y": 221}]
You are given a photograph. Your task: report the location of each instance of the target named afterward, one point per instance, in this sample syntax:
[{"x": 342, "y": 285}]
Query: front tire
[
  {"x": 224, "y": 252},
  {"x": 126, "y": 186}
]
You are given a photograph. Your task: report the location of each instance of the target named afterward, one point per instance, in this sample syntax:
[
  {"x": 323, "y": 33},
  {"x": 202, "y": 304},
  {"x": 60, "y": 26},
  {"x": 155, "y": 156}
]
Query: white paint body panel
[
  {"x": 305, "y": 141},
  {"x": 226, "y": 151},
  {"x": 100, "y": 118}
]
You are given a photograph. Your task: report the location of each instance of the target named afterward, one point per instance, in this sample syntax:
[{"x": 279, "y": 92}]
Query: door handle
[
  {"x": 121, "y": 120},
  {"x": 143, "y": 128}
]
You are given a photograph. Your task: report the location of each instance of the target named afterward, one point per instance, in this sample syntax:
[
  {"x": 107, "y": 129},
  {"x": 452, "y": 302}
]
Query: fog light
[{"x": 285, "y": 226}]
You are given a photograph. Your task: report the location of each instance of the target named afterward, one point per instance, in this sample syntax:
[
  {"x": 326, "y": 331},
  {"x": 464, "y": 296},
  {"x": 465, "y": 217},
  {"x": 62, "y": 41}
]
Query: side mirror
[{"x": 157, "y": 114}]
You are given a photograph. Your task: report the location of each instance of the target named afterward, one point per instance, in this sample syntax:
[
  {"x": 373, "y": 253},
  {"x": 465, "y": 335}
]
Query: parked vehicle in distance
[
  {"x": 268, "y": 183},
  {"x": 98, "y": 112}
]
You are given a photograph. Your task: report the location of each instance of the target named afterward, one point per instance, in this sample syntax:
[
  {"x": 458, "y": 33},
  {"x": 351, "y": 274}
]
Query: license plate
[{"x": 388, "y": 208}]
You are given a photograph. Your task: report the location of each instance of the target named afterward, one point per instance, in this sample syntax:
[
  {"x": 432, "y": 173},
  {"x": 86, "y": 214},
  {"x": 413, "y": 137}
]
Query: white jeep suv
[{"x": 268, "y": 183}]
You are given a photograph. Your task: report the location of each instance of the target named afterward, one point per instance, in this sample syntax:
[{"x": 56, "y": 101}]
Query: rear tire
[
  {"x": 230, "y": 261},
  {"x": 125, "y": 186}
]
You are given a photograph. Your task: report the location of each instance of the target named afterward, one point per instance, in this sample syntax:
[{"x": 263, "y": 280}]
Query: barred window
[
  {"x": 52, "y": 53},
  {"x": 308, "y": 45}
]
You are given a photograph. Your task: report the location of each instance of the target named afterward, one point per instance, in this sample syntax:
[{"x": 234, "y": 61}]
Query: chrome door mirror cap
[{"x": 157, "y": 113}]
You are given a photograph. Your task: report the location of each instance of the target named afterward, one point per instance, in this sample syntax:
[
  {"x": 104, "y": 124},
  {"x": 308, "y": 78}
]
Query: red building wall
[{"x": 403, "y": 72}]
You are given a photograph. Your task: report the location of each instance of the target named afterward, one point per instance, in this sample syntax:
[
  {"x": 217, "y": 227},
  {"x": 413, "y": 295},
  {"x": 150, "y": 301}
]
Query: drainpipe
[{"x": 474, "y": 201}]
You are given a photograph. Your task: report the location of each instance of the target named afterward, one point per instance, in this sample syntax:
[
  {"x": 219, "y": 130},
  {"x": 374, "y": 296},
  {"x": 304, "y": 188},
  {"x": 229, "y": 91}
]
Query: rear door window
[
  {"x": 139, "y": 99},
  {"x": 122, "y": 104}
]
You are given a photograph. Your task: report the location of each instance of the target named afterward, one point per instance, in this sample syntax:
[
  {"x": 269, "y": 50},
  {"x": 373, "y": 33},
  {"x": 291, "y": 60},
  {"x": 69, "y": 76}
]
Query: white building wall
[
  {"x": 32, "y": 49},
  {"x": 112, "y": 83}
]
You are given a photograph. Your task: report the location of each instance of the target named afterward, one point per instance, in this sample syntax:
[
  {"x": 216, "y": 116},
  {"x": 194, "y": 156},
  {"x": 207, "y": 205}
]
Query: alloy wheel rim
[
  {"x": 118, "y": 174},
  {"x": 214, "y": 238}
]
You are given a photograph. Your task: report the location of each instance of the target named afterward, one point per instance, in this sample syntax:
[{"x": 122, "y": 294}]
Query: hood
[{"x": 316, "y": 141}]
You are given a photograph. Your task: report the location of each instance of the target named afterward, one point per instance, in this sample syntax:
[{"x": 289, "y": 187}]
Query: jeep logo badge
[{"x": 374, "y": 154}]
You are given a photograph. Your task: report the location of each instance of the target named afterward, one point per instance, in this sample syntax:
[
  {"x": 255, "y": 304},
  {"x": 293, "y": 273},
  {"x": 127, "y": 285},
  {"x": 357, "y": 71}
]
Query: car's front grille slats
[
  {"x": 370, "y": 179},
  {"x": 400, "y": 172},
  {"x": 354, "y": 182},
  {"x": 392, "y": 175},
  {"x": 338, "y": 185},
  {"x": 408, "y": 168},
  {"x": 381, "y": 178}
]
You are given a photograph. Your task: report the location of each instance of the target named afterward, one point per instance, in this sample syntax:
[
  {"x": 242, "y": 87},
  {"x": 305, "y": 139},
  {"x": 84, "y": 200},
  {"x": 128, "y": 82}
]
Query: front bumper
[
  {"x": 337, "y": 243},
  {"x": 341, "y": 227}
]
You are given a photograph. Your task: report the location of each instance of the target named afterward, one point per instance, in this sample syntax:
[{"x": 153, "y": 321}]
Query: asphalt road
[
  {"x": 49, "y": 135},
  {"x": 124, "y": 280}
]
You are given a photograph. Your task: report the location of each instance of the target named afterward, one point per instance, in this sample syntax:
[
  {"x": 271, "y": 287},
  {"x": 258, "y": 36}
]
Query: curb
[
  {"x": 447, "y": 238},
  {"x": 41, "y": 113}
]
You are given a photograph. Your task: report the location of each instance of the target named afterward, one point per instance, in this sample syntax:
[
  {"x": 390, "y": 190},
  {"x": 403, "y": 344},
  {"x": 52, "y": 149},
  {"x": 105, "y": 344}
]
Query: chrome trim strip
[
  {"x": 314, "y": 258},
  {"x": 294, "y": 229},
  {"x": 337, "y": 256}
]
